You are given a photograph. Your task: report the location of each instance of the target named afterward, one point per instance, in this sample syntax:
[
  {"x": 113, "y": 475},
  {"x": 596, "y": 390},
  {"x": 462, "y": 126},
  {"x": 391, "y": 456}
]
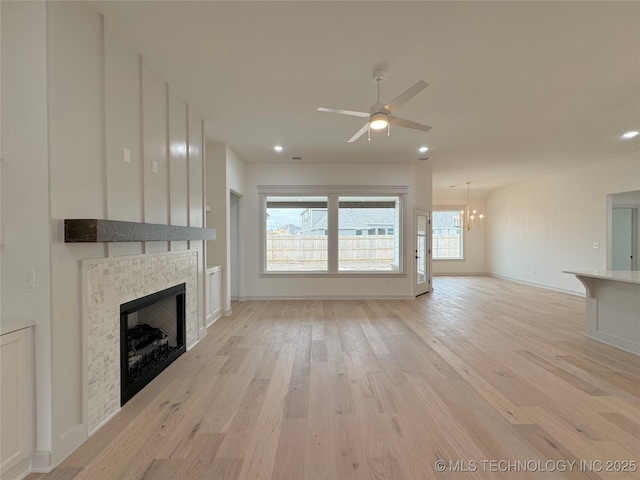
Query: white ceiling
[{"x": 517, "y": 89}]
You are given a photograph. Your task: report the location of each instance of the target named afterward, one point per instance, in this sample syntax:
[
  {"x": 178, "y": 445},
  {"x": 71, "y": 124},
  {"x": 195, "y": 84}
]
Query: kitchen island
[{"x": 613, "y": 307}]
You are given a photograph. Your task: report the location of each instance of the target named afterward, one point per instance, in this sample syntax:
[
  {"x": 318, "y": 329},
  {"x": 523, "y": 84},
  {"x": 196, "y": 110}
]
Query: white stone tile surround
[{"x": 108, "y": 283}]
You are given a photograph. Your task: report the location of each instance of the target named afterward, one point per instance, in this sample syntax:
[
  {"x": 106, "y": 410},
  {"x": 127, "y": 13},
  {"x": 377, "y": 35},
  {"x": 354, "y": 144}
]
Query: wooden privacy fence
[
  {"x": 446, "y": 246},
  {"x": 290, "y": 249}
]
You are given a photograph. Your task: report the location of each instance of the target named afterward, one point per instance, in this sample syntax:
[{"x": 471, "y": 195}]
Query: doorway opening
[
  {"x": 623, "y": 232},
  {"x": 235, "y": 246}
]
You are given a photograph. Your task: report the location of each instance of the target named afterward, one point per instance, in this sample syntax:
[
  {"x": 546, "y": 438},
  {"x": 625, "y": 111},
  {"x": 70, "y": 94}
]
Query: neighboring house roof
[
  {"x": 288, "y": 229},
  {"x": 293, "y": 229},
  {"x": 356, "y": 218}
]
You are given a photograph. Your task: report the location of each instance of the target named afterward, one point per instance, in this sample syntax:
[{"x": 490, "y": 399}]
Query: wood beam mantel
[{"x": 96, "y": 230}]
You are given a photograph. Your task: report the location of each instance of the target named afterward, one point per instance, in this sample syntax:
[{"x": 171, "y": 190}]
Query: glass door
[{"x": 422, "y": 252}]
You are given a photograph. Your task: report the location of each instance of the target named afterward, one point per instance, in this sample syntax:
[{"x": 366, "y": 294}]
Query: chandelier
[{"x": 470, "y": 218}]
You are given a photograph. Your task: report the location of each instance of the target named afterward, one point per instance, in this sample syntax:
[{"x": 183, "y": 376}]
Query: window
[
  {"x": 321, "y": 230},
  {"x": 296, "y": 234},
  {"x": 378, "y": 251},
  {"x": 447, "y": 235}
]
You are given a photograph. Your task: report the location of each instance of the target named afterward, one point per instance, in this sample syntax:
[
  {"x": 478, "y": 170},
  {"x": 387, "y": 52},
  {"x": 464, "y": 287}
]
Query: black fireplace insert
[{"x": 152, "y": 336}]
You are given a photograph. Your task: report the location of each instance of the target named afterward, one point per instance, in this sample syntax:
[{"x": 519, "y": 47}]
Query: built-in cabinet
[
  {"x": 213, "y": 300},
  {"x": 16, "y": 403}
]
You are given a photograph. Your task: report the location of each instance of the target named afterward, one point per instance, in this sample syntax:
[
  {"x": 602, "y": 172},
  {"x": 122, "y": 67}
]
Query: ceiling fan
[{"x": 382, "y": 115}]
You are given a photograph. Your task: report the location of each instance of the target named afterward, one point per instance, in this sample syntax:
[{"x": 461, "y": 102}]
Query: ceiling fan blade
[
  {"x": 360, "y": 132},
  {"x": 404, "y": 97},
  {"x": 403, "y": 122},
  {"x": 344, "y": 112}
]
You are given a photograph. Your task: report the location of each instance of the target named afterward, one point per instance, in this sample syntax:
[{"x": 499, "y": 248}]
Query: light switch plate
[
  {"x": 154, "y": 166},
  {"x": 126, "y": 155},
  {"x": 596, "y": 245}
]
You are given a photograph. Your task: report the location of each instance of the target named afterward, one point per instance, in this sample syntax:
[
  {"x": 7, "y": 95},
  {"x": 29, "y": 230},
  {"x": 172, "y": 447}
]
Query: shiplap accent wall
[{"x": 103, "y": 98}]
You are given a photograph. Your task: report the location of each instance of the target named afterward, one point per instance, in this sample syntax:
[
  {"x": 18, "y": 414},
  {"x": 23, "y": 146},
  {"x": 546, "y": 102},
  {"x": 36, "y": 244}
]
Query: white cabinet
[
  {"x": 16, "y": 403},
  {"x": 213, "y": 299}
]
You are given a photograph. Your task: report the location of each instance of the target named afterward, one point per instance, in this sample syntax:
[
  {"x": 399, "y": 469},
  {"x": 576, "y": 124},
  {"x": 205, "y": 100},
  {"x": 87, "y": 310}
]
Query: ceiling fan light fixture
[
  {"x": 378, "y": 121},
  {"x": 381, "y": 115}
]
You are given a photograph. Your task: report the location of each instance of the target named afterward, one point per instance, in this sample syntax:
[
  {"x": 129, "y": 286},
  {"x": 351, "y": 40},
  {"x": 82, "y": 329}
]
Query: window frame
[
  {"x": 448, "y": 208},
  {"x": 332, "y": 193},
  {"x": 307, "y": 200}
]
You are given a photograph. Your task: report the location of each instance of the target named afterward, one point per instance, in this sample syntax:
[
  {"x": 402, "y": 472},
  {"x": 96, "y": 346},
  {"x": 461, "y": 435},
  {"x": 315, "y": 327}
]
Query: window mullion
[
  {"x": 263, "y": 235},
  {"x": 333, "y": 233}
]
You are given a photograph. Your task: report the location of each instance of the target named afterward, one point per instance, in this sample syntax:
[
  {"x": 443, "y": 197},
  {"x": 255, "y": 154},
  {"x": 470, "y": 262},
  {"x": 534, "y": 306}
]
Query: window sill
[
  {"x": 331, "y": 274},
  {"x": 448, "y": 259}
]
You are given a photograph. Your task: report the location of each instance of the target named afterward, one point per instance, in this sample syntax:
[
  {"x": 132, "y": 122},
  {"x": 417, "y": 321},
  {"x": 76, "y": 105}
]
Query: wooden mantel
[{"x": 96, "y": 230}]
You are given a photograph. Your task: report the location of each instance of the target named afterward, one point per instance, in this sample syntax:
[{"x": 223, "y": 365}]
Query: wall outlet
[
  {"x": 28, "y": 278},
  {"x": 126, "y": 155},
  {"x": 596, "y": 245}
]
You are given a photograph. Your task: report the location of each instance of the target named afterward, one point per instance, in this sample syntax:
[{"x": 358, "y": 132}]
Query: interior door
[
  {"x": 422, "y": 226},
  {"x": 622, "y": 241}
]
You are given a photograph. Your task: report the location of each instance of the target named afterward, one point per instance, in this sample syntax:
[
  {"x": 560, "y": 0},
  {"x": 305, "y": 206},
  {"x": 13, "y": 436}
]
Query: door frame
[{"x": 613, "y": 202}]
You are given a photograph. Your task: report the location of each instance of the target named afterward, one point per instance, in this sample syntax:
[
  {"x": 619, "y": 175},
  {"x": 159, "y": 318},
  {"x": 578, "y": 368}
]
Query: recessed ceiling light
[
  {"x": 278, "y": 148},
  {"x": 631, "y": 134},
  {"x": 423, "y": 149}
]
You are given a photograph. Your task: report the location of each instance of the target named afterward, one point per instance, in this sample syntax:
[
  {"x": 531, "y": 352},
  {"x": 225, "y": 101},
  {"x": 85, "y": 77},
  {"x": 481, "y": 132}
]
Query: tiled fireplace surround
[{"x": 108, "y": 283}]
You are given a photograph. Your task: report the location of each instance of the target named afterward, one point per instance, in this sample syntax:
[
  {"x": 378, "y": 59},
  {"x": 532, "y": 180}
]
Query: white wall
[
  {"x": 418, "y": 179},
  {"x": 234, "y": 246},
  {"x": 225, "y": 173},
  {"x": 196, "y": 198},
  {"x": 216, "y": 217},
  {"x": 154, "y": 133},
  {"x": 74, "y": 94},
  {"x": 25, "y": 229},
  {"x": 550, "y": 224},
  {"x": 474, "y": 240},
  {"x": 236, "y": 185}
]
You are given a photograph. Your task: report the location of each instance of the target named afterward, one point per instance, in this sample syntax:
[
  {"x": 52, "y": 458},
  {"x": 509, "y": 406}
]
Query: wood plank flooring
[{"x": 494, "y": 378}]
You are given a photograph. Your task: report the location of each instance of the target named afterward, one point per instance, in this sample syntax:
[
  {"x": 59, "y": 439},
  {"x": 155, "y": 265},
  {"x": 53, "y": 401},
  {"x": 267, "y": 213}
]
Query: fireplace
[{"x": 152, "y": 336}]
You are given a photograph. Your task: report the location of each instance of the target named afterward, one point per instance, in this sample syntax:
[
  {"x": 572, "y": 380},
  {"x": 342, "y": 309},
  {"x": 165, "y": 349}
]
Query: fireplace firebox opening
[{"x": 152, "y": 336}]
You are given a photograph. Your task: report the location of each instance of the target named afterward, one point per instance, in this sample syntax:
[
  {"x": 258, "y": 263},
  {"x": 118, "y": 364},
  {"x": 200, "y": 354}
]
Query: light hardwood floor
[{"x": 481, "y": 370}]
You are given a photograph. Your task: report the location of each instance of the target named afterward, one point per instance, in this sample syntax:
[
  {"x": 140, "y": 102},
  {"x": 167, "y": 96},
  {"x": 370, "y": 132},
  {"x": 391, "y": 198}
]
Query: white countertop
[{"x": 616, "y": 276}]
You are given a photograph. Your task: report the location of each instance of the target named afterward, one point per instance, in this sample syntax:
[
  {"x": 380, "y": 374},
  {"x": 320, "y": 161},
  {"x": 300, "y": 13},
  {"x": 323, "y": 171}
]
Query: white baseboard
[
  {"x": 214, "y": 319},
  {"x": 41, "y": 461},
  {"x": 463, "y": 274},
  {"x": 202, "y": 333},
  {"x": 616, "y": 342},
  {"x": 539, "y": 285},
  {"x": 226, "y": 313},
  {"x": 330, "y": 297},
  {"x": 18, "y": 471},
  {"x": 105, "y": 421}
]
